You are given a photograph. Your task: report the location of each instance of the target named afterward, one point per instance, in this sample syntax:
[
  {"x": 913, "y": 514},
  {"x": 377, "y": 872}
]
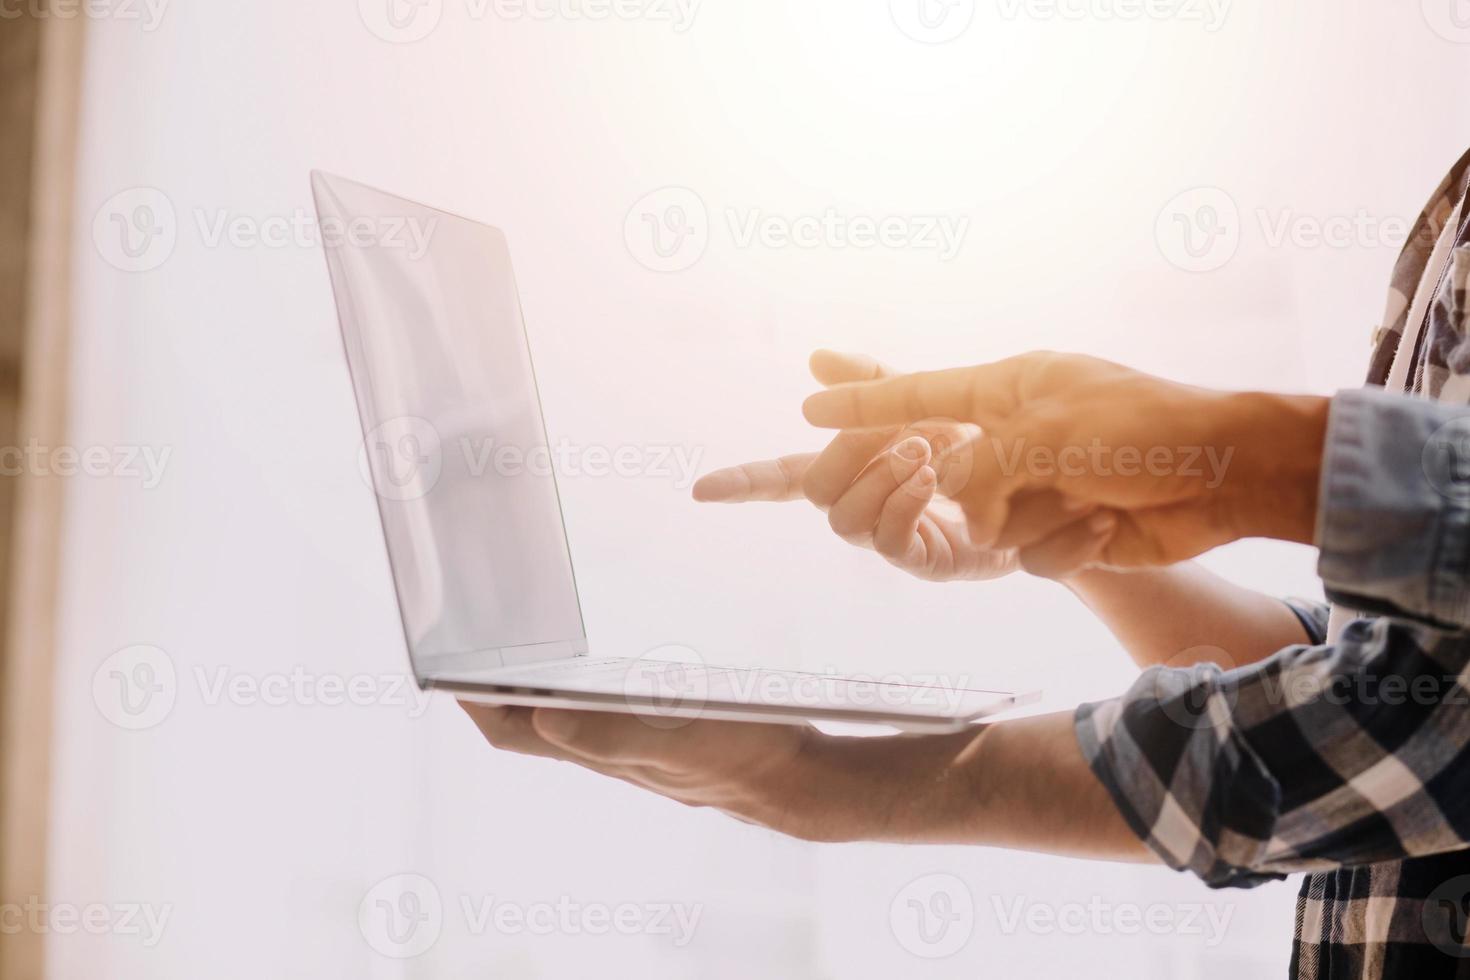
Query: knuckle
[
  {"x": 1036, "y": 561},
  {"x": 844, "y": 522},
  {"x": 497, "y": 736},
  {"x": 790, "y": 474},
  {"x": 914, "y": 405},
  {"x": 819, "y": 495}
]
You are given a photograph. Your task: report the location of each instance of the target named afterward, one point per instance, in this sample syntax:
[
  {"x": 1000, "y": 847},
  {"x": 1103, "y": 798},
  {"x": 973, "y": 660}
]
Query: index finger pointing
[
  {"x": 767, "y": 479},
  {"x": 982, "y": 394}
]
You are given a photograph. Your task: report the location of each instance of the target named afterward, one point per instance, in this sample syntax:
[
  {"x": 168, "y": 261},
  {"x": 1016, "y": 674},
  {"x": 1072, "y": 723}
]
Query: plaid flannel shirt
[{"x": 1350, "y": 759}]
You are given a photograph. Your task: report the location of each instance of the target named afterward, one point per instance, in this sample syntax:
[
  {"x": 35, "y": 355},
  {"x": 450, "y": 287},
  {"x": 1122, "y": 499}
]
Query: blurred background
[{"x": 212, "y": 765}]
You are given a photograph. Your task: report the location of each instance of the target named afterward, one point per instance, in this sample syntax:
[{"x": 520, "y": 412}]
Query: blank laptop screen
[{"x": 454, "y": 443}]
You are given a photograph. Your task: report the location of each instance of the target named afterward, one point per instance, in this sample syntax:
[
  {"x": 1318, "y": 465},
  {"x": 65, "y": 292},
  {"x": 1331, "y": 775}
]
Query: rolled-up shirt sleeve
[
  {"x": 1324, "y": 755},
  {"x": 1393, "y": 511},
  {"x": 1351, "y": 753}
]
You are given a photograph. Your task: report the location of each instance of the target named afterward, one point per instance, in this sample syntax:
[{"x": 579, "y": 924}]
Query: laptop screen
[{"x": 454, "y": 444}]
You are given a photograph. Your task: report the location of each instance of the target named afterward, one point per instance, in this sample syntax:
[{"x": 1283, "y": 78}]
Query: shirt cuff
[
  {"x": 1314, "y": 617},
  {"x": 1393, "y": 511},
  {"x": 1181, "y": 775}
]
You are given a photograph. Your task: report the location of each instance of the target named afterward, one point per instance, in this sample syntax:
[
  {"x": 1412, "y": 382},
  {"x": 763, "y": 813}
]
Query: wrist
[
  {"x": 1088, "y": 580},
  {"x": 1275, "y": 444},
  {"x": 889, "y": 789}
]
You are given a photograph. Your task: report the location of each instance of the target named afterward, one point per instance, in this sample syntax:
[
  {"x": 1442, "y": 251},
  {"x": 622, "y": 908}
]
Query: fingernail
[
  {"x": 1102, "y": 523},
  {"x": 913, "y": 448},
  {"x": 560, "y": 725},
  {"x": 923, "y": 479}
]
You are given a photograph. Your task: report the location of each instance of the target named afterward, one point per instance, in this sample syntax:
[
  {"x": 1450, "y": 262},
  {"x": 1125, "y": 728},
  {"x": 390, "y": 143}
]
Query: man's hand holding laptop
[{"x": 1070, "y": 467}]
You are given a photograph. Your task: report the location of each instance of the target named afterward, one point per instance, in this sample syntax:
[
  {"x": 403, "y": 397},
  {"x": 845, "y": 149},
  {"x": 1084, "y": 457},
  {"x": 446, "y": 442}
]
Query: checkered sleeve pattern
[{"x": 1345, "y": 754}]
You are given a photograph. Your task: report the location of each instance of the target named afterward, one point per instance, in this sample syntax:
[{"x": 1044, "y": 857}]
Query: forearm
[
  {"x": 1017, "y": 784},
  {"x": 1276, "y": 444},
  {"x": 1184, "y": 614}
]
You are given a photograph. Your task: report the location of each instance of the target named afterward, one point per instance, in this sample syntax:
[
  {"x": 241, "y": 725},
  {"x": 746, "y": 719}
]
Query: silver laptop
[{"x": 441, "y": 368}]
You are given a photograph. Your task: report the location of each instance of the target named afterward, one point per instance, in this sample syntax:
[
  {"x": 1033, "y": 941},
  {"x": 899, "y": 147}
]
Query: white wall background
[{"x": 261, "y": 827}]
